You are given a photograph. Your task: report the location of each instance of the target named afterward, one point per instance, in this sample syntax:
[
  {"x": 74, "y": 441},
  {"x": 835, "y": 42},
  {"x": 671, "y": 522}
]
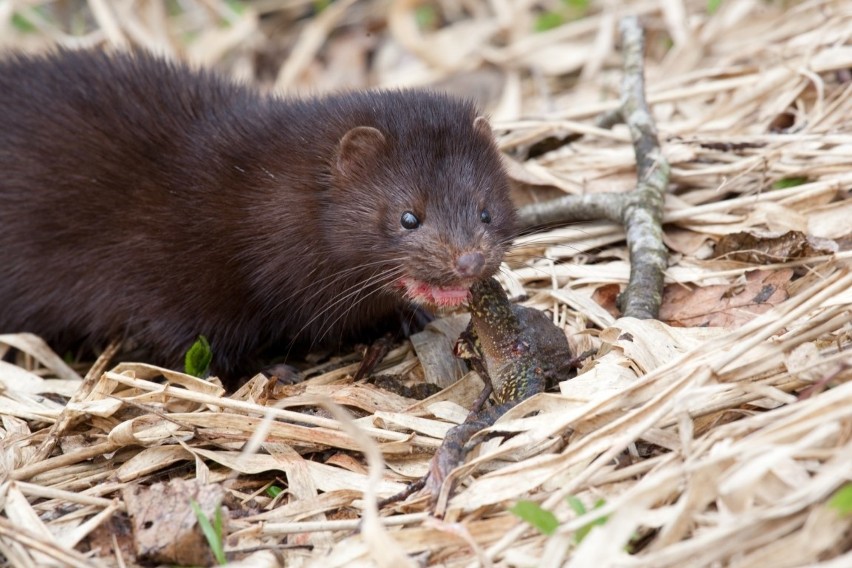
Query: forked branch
[{"x": 640, "y": 211}]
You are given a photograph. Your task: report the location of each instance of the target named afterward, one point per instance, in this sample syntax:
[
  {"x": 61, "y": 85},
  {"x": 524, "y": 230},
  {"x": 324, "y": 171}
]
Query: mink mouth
[{"x": 441, "y": 296}]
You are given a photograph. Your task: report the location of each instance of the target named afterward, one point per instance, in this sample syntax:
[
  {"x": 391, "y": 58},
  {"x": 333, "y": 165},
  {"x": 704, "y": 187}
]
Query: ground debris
[{"x": 165, "y": 526}]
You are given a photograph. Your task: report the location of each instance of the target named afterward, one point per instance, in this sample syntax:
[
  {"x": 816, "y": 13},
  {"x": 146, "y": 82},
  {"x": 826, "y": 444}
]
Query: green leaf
[
  {"x": 218, "y": 527},
  {"x": 274, "y": 491},
  {"x": 213, "y": 533},
  {"x": 576, "y": 505},
  {"x": 841, "y": 501},
  {"x": 713, "y": 6},
  {"x": 548, "y": 21},
  {"x": 236, "y": 6},
  {"x": 531, "y": 512},
  {"x": 197, "y": 360},
  {"x": 320, "y": 5},
  {"x": 577, "y": 4},
  {"x": 580, "y": 509},
  {"x": 426, "y": 17},
  {"x": 784, "y": 183},
  {"x": 22, "y": 24}
]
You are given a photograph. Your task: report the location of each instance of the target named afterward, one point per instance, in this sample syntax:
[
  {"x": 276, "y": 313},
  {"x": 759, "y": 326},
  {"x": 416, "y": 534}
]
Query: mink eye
[
  {"x": 485, "y": 216},
  {"x": 409, "y": 221}
]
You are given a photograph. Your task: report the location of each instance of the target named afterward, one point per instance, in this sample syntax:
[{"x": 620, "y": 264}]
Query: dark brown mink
[{"x": 144, "y": 198}]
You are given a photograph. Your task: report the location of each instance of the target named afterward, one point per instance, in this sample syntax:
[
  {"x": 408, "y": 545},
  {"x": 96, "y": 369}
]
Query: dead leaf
[
  {"x": 832, "y": 220},
  {"x": 434, "y": 348},
  {"x": 606, "y": 296},
  {"x": 725, "y": 305},
  {"x": 165, "y": 528},
  {"x": 685, "y": 241},
  {"x": 114, "y": 533},
  {"x": 762, "y": 247}
]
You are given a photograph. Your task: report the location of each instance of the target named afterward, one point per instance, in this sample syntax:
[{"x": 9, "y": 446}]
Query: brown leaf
[
  {"x": 114, "y": 532},
  {"x": 725, "y": 305},
  {"x": 165, "y": 527},
  {"x": 763, "y": 247},
  {"x": 606, "y": 297}
]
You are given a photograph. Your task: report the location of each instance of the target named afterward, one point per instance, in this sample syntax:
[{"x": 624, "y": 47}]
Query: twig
[{"x": 640, "y": 211}]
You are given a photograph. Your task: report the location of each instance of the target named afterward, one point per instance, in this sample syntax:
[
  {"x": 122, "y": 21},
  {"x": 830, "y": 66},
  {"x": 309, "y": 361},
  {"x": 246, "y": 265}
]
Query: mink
[{"x": 143, "y": 198}]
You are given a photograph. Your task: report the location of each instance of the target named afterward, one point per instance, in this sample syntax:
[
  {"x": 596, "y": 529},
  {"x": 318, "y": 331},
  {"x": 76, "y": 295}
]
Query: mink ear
[
  {"x": 480, "y": 124},
  {"x": 358, "y": 148}
]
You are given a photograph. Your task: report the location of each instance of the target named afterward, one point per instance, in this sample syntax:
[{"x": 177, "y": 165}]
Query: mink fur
[{"x": 144, "y": 198}]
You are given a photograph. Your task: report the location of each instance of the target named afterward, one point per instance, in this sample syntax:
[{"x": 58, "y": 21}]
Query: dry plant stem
[
  {"x": 641, "y": 211},
  {"x": 30, "y": 470},
  {"x": 287, "y": 528},
  {"x": 386, "y": 552},
  {"x": 67, "y": 418},
  {"x": 67, "y": 557},
  {"x": 735, "y": 435}
]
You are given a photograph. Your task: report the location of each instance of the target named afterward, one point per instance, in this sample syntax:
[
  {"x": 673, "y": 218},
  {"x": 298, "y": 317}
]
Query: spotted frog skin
[{"x": 516, "y": 350}]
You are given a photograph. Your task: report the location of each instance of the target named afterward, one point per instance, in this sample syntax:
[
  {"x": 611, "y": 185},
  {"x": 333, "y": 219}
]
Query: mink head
[{"x": 427, "y": 199}]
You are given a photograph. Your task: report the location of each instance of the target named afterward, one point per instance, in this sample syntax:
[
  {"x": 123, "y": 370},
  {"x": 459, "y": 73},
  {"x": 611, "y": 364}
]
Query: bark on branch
[{"x": 640, "y": 211}]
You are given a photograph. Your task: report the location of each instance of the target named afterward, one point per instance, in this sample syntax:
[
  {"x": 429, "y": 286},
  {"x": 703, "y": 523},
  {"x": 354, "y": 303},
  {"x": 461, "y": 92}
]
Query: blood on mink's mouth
[{"x": 442, "y": 296}]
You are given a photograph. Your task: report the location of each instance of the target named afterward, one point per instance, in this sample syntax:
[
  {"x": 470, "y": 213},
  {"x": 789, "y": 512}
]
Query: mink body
[{"x": 146, "y": 199}]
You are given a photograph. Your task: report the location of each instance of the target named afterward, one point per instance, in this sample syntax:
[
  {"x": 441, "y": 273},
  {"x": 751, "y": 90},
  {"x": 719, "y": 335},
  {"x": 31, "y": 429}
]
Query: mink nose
[{"x": 470, "y": 264}]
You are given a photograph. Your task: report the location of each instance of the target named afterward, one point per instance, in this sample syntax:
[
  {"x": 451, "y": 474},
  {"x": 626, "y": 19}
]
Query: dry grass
[{"x": 708, "y": 446}]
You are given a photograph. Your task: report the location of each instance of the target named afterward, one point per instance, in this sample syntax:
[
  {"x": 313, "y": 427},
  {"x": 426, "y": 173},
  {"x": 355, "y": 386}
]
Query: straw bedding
[{"x": 721, "y": 436}]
